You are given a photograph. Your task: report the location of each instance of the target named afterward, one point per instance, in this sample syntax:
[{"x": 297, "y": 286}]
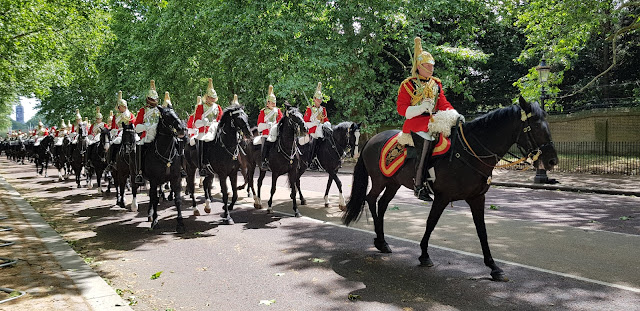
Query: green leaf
[
  {"x": 493, "y": 207},
  {"x": 394, "y": 208},
  {"x": 14, "y": 294},
  {"x": 354, "y": 297},
  {"x": 626, "y": 217},
  {"x": 317, "y": 260},
  {"x": 156, "y": 275},
  {"x": 267, "y": 302}
]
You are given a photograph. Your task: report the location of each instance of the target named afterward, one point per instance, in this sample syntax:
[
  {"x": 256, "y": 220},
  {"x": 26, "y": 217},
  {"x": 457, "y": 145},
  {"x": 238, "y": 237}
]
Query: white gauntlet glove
[
  {"x": 140, "y": 128},
  {"x": 199, "y": 123},
  {"x": 414, "y": 111},
  {"x": 263, "y": 126}
]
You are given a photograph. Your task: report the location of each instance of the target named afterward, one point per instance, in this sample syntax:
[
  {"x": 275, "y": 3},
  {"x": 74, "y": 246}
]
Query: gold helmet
[
  {"x": 210, "y": 91},
  {"x": 153, "y": 94},
  {"x": 420, "y": 57},
  {"x": 318, "y": 93},
  {"x": 271, "y": 97},
  {"x": 98, "y": 114},
  {"x": 235, "y": 100},
  {"x": 63, "y": 126},
  {"x": 121, "y": 102},
  {"x": 110, "y": 116},
  {"x": 167, "y": 100},
  {"x": 69, "y": 126},
  {"x": 198, "y": 101},
  {"x": 78, "y": 116},
  {"x": 40, "y": 125}
]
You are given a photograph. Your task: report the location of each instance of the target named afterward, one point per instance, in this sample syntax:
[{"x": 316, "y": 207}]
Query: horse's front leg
[
  {"x": 437, "y": 208},
  {"x": 134, "y": 192},
  {"x": 274, "y": 179},
  {"x": 257, "y": 201},
  {"x": 120, "y": 186},
  {"x": 341, "y": 202},
  {"x": 176, "y": 185},
  {"x": 303, "y": 201},
  {"x": 226, "y": 216},
  {"x": 477, "y": 211},
  {"x": 152, "y": 212},
  {"x": 294, "y": 181},
  {"x": 233, "y": 178},
  {"x": 326, "y": 192},
  {"x": 208, "y": 181}
]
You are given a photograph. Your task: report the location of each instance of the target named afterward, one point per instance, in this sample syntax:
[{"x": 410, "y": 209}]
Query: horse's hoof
[
  {"x": 342, "y": 208},
  {"x": 196, "y": 212},
  {"x": 170, "y": 198},
  {"x": 298, "y": 215},
  {"x": 269, "y": 210},
  {"x": 499, "y": 276},
  {"x": 382, "y": 246},
  {"x": 154, "y": 224},
  {"x": 149, "y": 219},
  {"x": 193, "y": 204},
  {"x": 303, "y": 202},
  {"x": 207, "y": 210},
  {"x": 228, "y": 221},
  {"x": 79, "y": 187},
  {"x": 326, "y": 205},
  {"x": 180, "y": 229},
  {"x": 257, "y": 206},
  {"x": 425, "y": 262}
]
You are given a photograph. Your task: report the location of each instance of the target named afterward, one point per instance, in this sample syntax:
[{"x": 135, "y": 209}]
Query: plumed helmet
[
  {"x": 153, "y": 94},
  {"x": 210, "y": 91},
  {"x": 63, "y": 126},
  {"x": 40, "y": 125},
  {"x": 110, "y": 116},
  {"x": 271, "y": 97},
  {"x": 69, "y": 124},
  {"x": 98, "y": 114},
  {"x": 235, "y": 100},
  {"x": 167, "y": 100},
  {"x": 420, "y": 57},
  {"x": 121, "y": 102},
  {"x": 78, "y": 116},
  {"x": 318, "y": 93},
  {"x": 198, "y": 101}
]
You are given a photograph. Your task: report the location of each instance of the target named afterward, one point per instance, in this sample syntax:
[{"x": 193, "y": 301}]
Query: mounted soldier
[
  {"x": 41, "y": 133},
  {"x": 61, "y": 132},
  {"x": 73, "y": 135},
  {"x": 206, "y": 119},
  {"x": 146, "y": 124},
  {"x": 420, "y": 99},
  {"x": 316, "y": 120},
  {"x": 192, "y": 131},
  {"x": 124, "y": 116},
  {"x": 94, "y": 133},
  {"x": 268, "y": 127}
]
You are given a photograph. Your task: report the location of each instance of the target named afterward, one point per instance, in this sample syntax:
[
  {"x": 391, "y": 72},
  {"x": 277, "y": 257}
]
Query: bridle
[
  {"x": 533, "y": 152},
  {"x": 237, "y": 128},
  {"x": 294, "y": 146}
]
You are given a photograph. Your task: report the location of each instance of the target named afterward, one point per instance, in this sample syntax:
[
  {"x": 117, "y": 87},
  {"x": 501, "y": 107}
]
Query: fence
[{"x": 620, "y": 158}]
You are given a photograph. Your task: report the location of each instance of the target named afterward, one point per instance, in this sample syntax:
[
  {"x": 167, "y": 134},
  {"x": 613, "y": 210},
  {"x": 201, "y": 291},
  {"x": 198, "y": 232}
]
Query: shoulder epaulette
[
  {"x": 436, "y": 79},
  {"x": 403, "y": 82}
]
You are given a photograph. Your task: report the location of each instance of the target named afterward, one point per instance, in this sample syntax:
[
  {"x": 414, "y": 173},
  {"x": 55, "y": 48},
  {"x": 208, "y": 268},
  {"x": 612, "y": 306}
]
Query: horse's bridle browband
[{"x": 294, "y": 147}]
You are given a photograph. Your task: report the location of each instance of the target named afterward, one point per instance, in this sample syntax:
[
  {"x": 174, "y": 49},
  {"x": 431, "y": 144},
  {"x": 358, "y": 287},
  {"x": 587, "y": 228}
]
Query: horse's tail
[{"x": 358, "y": 192}]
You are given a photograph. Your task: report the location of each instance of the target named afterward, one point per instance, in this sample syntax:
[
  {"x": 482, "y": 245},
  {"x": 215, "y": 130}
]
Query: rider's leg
[
  {"x": 266, "y": 148},
  {"x": 201, "y": 166},
  {"x": 183, "y": 163},
  {"x": 421, "y": 191},
  {"x": 139, "y": 153}
]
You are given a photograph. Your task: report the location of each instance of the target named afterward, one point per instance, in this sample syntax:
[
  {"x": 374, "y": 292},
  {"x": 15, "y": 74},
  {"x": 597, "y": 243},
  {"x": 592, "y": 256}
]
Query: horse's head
[
  {"x": 536, "y": 137},
  {"x": 234, "y": 117},
  {"x": 128, "y": 134},
  {"x": 82, "y": 130},
  {"x": 292, "y": 118},
  {"x": 170, "y": 123},
  {"x": 105, "y": 138}
]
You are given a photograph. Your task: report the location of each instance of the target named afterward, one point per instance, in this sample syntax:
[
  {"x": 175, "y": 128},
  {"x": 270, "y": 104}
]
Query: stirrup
[
  {"x": 422, "y": 193},
  {"x": 264, "y": 165},
  {"x": 183, "y": 173}
]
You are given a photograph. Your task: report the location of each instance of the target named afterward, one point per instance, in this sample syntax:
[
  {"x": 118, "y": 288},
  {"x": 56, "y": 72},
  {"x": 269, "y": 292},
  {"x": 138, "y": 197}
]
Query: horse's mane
[
  {"x": 343, "y": 125},
  {"x": 227, "y": 112}
]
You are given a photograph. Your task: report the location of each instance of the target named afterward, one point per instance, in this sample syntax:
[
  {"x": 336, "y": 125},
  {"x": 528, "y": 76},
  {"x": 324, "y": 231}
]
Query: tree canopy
[{"x": 79, "y": 54}]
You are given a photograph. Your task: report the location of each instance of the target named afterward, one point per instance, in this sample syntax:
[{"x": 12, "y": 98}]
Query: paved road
[{"x": 562, "y": 251}]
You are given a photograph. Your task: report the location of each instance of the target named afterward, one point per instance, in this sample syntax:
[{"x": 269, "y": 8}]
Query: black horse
[
  {"x": 222, "y": 154},
  {"x": 97, "y": 161},
  {"x": 43, "y": 155},
  {"x": 125, "y": 165},
  {"x": 162, "y": 163},
  {"x": 79, "y": 151},
  {"x": 332, "y": 150},
  {"x": 463, "y": 173},
  {"x": 284, "y": 157}
]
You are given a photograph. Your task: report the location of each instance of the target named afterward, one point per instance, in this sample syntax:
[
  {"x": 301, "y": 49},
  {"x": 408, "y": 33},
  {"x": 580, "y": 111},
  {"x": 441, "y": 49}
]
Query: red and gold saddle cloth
[{"x": 393, "y": 155}]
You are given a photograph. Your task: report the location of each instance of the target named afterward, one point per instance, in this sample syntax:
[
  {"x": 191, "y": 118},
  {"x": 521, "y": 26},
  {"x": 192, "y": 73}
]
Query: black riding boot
[
  {"x": 420, "y": 190},
  {"x": 266, "y": 148},
  {"x": 204, "y": 168},
  {"x": 139, "y": 153},
  {"x": 110, "y": 160}
]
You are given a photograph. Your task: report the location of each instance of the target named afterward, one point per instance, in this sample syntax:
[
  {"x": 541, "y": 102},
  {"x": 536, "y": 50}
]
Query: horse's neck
[
  {"x": 498, "y": 137},
  {"x": 227, "y": 135}
]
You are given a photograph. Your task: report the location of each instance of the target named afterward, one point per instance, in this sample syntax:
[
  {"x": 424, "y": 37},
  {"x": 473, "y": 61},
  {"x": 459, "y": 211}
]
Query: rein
[
  {"x": 526, "y": 129},
  {"x": 294, "y": 147}
]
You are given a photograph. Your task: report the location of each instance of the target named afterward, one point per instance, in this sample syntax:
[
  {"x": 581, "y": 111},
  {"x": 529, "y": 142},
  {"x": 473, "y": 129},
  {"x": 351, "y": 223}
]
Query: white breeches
[
  {"x": 210, "y": 134},
  {"x": 273, "y": 133}
]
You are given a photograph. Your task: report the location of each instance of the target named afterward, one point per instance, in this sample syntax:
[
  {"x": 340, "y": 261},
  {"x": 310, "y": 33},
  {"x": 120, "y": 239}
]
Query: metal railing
[{"x": 619, "y": 158}]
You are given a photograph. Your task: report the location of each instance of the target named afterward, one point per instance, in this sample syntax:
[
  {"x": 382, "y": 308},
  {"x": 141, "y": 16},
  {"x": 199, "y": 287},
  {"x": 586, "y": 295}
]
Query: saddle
[{"x": 393, "y": 154}]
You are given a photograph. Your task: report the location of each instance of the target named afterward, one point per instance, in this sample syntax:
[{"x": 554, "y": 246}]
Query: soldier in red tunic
[
  {"x": 146, "y": 124},
  {"x": 317, "y": 122},
  {"x": 268, "y": 127},
  {"x": 206, "y": 119},
  {"x": 420, "y": 98}
]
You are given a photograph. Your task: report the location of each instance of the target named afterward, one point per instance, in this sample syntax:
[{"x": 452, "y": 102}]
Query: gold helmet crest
[
  {"x": 271, "y": 97},
  {"x": 420, "y": 57},
  {"x": 153, "y": 94}
]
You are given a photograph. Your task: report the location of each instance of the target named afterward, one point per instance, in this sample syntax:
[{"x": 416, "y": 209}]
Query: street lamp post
[{"x": 543, "y": 75}]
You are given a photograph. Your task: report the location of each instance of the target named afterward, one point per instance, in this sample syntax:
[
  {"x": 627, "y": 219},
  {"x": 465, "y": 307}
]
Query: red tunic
[
  {"x": 140, "y": 120},
  {"x": 190, "y": 123},
  {"x": 198, "y": 116},
  {"x": 262, "y": 120},
  {"x": 419, "y": 123},
  {"x": 307, "y": 118}
]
